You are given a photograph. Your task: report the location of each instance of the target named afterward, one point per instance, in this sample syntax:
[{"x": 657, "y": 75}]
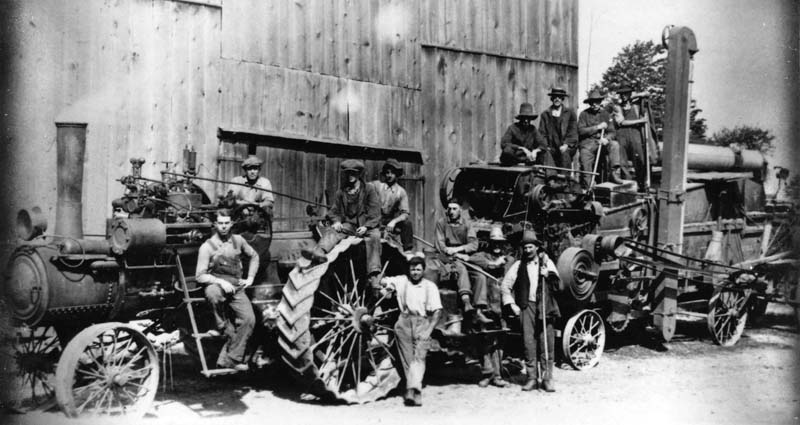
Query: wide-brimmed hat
[
  {"x": 594, "y": 96},
  {"x": 526, "y": 111},
  {"x": 252, "y": 161},
  {"x": 529, "y": 236},
  {"x": 352, "y": 165},
  {"x": 496, "y": 234},
  {"x": 625, "y": 89},
  {"x": 558, "y": 91},
  {"x": 393, "y": 164}
]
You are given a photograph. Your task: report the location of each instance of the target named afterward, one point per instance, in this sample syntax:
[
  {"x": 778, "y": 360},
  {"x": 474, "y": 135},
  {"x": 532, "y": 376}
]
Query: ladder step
[{"x": 222, "y": 371}]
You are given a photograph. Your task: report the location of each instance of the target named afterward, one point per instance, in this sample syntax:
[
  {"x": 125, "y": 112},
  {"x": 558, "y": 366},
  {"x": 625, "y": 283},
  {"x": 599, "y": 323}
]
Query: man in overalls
[{"x": 219, "y": 267}]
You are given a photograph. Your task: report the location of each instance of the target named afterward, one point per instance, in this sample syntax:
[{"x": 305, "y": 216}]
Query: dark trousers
[
  {"x": 588, "y": 155},
  {"x": 630, "y": 145},
  {"x": 533, "y": 337},
  {"x": 469, "y": 282},
  {"x": 412, "y": 344},
  {"x": 492, "y": 356},
  {"x": 244, "y": 320},
  {"x": 404, "y": 230},
  {"x": 372, "y": 239}
]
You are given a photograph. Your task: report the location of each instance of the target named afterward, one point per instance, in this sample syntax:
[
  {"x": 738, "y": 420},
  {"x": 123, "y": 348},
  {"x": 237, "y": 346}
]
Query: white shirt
[
  {"x": 420, "y": 299},
  {"x": 533, "y": 275}
]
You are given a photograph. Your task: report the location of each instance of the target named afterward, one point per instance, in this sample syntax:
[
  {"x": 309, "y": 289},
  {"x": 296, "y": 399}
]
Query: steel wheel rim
[
  {"x": 36, "y": 354},
  {"x": 353, "y": 336},
  {"x": 584, "y": 340},
  {"x": 727, "y": 316},
  {"x": 108, "y": 370}
]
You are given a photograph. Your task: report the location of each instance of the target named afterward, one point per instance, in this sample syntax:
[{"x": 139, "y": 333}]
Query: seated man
[
  {"x": 596, "y": 130},
  {"x": 394, "y": 204},
  {"x": 252, "y": 194},
  {"x": 522, "y": 142},
  {"x": 219, "y": 267},
  {"x": 355, "y": 211},
  {"x": 455, "y": 240}
]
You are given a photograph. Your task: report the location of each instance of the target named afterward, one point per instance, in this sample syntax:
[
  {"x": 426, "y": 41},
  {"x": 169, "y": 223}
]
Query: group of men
[
  {"x": 376, "y": 209},
  {"x": 563, "y": 136}
]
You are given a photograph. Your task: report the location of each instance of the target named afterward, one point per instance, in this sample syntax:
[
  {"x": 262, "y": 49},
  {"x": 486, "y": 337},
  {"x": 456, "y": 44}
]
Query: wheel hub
[{"x": 362, "y": 320}]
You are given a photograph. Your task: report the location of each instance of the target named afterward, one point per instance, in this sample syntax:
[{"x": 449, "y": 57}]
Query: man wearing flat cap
[
  {"x": 559, "y": 126},
  {"x": 251, "y": 193},
  {"x": 526, "y": 289},
  {"x": 522, "y": 142},
  {"x": 394, "y": 204},
  {"x": 355, "y": 211},
  {"x": 596, "y": 130}
]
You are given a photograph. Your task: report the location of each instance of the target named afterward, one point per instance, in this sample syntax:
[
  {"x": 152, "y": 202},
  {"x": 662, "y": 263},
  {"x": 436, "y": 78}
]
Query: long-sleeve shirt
[
  {"x": 235, "y": 244},
  {"x": 361, "y": 207},
  {"x": 589, "y": 119},
  {"x": 250, "y": 194},
  {"x": 516, "y": 135},
  {"x": 394, "y": 201},
  {"x": 455, "y": 234},
  {"x": 421, "y": 299},
  {"x": 561, "y": 129},
  {"x": 533, "y": 276}
]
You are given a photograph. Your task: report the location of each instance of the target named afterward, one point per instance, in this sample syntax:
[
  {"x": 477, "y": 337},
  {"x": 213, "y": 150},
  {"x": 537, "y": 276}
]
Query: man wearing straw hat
[
  {"x": 559, "y": 126},
  {"x": 596, "y": 129},
  {"x": 526, "y": 289},
  {"x": 522, "y": 142}
]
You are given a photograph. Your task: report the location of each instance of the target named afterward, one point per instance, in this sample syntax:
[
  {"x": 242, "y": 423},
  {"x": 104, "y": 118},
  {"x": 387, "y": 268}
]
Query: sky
[{"x": 745, "y": 73}]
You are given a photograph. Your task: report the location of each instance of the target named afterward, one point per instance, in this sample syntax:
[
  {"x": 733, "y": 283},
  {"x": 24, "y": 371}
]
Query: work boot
[
  {"x": 548, "y": 386},
  {"x": 483, "y": 383},
  {"x": 530, "y": 385},
  {"x": 417, "y": 397},
  {"x": 408, "y": 399},
  {"x": 467, "y": 303},
  {"x": 481, "y": 318},
  {"x": 315, "y": 255},
  {"x": 499, "y": 382}
]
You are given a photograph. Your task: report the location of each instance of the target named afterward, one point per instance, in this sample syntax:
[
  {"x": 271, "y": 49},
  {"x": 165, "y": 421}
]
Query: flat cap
[
  {"x": 394, "y": 164},
  {"x": 352, "y": 165},
  {"x": 252, "y": 161}
]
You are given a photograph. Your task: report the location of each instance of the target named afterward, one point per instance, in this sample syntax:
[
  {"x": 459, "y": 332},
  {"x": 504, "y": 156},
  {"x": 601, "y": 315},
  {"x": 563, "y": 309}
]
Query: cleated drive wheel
[
  {"x": 36, "y": 353},
  {"x": 335, "y": 335},
  {"x": 583, "y": 340},
  {"x": 109, "y": 369},
  {"x": 727, "y": 315}
]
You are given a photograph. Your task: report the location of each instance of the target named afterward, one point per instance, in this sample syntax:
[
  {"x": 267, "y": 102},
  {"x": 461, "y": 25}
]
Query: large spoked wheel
[
  {"x": 107, "y": 369},
  {"x": 335, "y": 333},
  {"x": 583, "y": 340},
  {"x": 578, "y": 273},
  {"x": 36, "y": 352},
  {"x": 727, "y": 315}
]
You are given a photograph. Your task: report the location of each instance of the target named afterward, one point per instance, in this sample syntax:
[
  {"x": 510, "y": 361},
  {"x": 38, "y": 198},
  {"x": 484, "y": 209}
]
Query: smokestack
[{"x": 71, "y": 144}]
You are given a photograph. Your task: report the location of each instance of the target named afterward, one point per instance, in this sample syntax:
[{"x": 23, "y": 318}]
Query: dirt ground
[{"x": 687, "y": 381}]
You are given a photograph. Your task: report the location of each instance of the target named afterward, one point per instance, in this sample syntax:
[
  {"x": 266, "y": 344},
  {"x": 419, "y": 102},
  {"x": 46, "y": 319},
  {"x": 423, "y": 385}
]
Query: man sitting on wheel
[{"x": 219, "y": 267}]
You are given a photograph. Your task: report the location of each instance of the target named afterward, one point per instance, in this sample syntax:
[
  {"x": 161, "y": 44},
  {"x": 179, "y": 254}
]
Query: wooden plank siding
[{"x": 442, "y": 77}]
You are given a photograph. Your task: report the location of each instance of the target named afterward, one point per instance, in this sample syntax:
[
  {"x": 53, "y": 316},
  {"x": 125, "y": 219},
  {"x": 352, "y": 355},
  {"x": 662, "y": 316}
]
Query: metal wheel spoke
[
  {"x": 326, "y": 311},
  {"x": 383, "y": 313},
  {"x": 335, "y": 303}
]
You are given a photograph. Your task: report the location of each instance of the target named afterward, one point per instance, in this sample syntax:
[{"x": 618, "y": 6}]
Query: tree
[
  {"x": 746, "y": 137},
  {"x": 642, "y": 66}
]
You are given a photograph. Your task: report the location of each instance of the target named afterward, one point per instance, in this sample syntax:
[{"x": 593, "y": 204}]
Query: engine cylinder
[{"x": 137, "y": 235}]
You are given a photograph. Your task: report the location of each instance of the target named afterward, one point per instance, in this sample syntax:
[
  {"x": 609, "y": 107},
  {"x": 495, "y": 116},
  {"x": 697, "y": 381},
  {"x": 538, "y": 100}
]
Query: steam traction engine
[{"x": 79, "y": 293}]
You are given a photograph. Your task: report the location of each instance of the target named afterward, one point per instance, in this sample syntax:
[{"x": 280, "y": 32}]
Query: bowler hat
[
  {"x": 529, "y": 236},
  {"x": 558, "y": 91},
  {"x": 594, "y": 96},
  {"x": 252, "y": 161},
  {"x": 352, "y": 165},
  {"x": 394, "y": 164},
  {"x": 526, "y": 111}
]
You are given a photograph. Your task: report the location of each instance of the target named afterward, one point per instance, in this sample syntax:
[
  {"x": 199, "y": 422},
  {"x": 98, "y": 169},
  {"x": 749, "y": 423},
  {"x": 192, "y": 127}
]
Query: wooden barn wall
[{"x": 143, "y": 74}]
